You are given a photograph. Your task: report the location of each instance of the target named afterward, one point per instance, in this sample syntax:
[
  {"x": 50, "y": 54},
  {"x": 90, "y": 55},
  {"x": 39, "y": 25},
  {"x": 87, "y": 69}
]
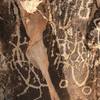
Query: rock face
[{"x": 72, "y": 40}]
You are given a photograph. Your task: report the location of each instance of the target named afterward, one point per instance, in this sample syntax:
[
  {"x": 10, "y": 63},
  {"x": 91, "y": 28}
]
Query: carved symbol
[
  {"x": 80, "y": 75},
  {"x": 86, "y": 90}
]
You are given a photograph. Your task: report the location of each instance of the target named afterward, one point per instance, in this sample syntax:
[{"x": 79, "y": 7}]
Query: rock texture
[{"x": 72, "y": 39}]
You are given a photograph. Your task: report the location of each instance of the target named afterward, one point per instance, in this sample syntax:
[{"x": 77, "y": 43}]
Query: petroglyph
[{"x": 69, "y": 38}]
